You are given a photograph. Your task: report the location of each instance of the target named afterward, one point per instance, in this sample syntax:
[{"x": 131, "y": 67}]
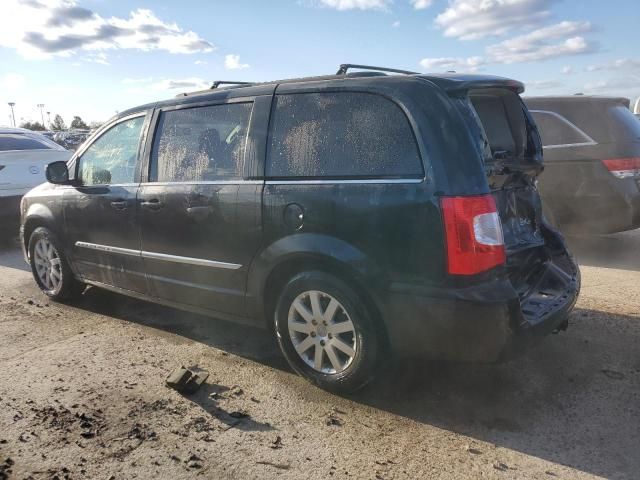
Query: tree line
[{"x": 57, "y": 125}]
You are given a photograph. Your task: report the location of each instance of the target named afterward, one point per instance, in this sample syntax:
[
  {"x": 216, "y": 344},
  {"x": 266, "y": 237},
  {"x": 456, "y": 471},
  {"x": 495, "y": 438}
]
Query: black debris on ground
[
  {"x": 185, "y": 380},
  {"x": 5, "y": 468},
  {"x": 334, "y": 420}
]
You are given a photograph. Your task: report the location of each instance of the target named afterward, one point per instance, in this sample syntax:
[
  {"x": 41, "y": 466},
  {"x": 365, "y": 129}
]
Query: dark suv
[
  {"x": 355, "y": 215},
  {"x": 591, "y": 182}
]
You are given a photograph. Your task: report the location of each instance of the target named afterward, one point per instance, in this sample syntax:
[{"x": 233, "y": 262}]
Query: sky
[{"x": 93, "y": 58}]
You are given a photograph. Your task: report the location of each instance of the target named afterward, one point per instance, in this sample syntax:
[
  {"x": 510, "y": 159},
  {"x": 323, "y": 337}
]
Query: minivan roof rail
[
  {"x": 346, "y": 66},
  {"x": 217, "y": 83}
]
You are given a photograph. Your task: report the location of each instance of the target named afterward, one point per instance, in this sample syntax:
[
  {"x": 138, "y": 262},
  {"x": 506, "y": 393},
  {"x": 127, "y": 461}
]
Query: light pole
[
  {"x": 13, "y": 115},
  {"x": 41, "y": 106},
  {"x": 49, "y": 120}
]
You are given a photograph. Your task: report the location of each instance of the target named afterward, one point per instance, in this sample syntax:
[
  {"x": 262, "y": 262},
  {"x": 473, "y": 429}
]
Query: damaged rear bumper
[{"x": 485, "y": 323}]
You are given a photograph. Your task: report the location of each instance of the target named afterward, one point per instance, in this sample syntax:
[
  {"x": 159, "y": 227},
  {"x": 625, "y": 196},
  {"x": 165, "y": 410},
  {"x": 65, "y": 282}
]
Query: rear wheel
[
  {"x": 50, "y": 268},
  {"x": 325, "y": 332}
]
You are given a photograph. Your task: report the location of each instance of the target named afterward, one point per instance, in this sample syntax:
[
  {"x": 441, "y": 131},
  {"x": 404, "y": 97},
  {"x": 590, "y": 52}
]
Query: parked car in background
[
  {"x": 24, "y": 156},
  {"x": 636, "y": 108},
  {"x": 71, "y": 139},
  {"x": 591, "y": 182},
  {"x": 356, "y": 216},
  {"x": 48, "y": 133}
]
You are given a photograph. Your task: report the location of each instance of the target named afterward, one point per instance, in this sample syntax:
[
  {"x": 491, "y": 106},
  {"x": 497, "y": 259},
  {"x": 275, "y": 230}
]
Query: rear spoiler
[{"x": 460, "y": 83}]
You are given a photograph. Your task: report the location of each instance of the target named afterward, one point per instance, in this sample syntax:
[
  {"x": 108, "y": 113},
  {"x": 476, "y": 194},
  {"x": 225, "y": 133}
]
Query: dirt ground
[{"x": 82, "y": 395}]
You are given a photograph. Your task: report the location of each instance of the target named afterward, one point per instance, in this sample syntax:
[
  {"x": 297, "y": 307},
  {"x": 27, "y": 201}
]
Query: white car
[{"x": 24, "y": 156}]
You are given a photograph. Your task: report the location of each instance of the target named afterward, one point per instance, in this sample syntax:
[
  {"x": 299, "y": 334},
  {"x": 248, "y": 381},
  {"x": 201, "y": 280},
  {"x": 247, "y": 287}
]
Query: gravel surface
[{"x": 82, "y": 395}]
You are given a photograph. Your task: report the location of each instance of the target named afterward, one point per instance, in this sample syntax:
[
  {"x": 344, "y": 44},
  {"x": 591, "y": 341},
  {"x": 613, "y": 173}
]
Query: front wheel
[
  {"x": 50, "y": 268},
  {"x": 325, "y": 332}
]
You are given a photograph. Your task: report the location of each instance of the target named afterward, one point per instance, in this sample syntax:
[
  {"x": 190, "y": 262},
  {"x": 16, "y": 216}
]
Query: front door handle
[
  {"x": 153, "y": 204},
  {"x": 119, "y": 204}
]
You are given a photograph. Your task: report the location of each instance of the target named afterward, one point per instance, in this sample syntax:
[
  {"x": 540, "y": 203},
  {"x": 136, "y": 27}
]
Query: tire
[
  {"x": 50, "y": 268},
  {"x": 341, "y": 369}
]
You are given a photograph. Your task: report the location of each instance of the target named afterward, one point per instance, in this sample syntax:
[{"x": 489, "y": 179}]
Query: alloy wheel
[
  {"x": 322, "y": 332},
  {"x": 48, "y": 266}
]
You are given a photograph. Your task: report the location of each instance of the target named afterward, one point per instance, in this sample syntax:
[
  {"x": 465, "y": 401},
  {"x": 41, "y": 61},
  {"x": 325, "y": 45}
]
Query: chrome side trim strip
[
  {"x": 330, "y": 182},
  {"x": 190, "y": 260},
  {"x": 108, "y": 249},
  {"x": 567, "y": 145},
  {"x": 159, "y": 256},
  {"x": 211, "y": 182}
]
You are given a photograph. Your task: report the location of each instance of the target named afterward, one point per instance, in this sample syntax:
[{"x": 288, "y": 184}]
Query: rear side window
[
  {"x": 17, "y": 141},
  {"x": 341, "y": 134},
  {"x": 200, "y": 143},
  {"x": 557, "y": 131}
]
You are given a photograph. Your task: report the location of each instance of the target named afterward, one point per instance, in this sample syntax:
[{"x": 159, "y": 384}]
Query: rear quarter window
[
  {"x": 341, "y": 135},
  {"x": 556, "y": 131},
  {"x": 18, "y": 141},
  {"x": 602, "y": 120}
]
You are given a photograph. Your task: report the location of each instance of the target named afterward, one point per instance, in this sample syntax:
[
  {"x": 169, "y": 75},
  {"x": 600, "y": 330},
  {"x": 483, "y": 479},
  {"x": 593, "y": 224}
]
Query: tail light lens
[
  {"x": 623, "y": 167},
  {"x": 473, "y": 234}
]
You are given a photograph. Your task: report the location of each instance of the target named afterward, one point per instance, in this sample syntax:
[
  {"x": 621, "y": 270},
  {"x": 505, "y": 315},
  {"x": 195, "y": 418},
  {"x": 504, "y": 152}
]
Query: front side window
[
  {"x": 200, "y": 143},
  {"x": 341, "y": 134},
  {"x": 112, "y": 158},
  {"x": 18, "y": 141},
  {"x": 557, "y": 131}
]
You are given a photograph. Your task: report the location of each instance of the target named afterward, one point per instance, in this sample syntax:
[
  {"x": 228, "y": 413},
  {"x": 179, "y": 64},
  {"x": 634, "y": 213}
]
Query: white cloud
[
  {"x": 356, "y": 4},
  {"x": 62, "y": 28},
  {"x": 232, "y": 62},
  {"x": 192, "y": 83},
  {"x": 612, "y": 85},
  {"x": 473, "y": 19},
  {"x": 559, "y": 40},
  {"x": 200, "y": 62},
  {"x": 421, "y": 4},
  {"x": 452, "y": 63},
  {"x": 99, "y": 57},
  {"x": 567, "y": 70},
  {"x": 553, "y": 41},
  {"x": 628, "y": 64},
  {"x": 543, "y": 84},
  {"x": 395, "y": 24}
]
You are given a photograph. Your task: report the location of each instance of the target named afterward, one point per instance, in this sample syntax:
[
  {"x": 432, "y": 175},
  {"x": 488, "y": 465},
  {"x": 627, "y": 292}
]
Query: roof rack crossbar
[
  {"x": 217, "y": 83},
  {"x": 346, "y": 66}
]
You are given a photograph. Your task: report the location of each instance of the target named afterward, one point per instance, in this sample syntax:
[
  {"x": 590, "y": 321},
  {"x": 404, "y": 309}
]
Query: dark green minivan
[{"x": 356, "y": 216}]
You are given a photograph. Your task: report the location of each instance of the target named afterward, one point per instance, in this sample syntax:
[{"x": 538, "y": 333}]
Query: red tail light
[
  {"x": 623, "y": 167},
  {"x": 473, "y": 233}
]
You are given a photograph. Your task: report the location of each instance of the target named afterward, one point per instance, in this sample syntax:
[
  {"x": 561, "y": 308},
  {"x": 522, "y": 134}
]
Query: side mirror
[{"x": 57, "y": 173}]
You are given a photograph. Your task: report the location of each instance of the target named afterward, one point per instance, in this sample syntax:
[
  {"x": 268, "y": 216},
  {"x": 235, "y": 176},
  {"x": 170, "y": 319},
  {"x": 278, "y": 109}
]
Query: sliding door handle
[{"x": 119, "y": 204}]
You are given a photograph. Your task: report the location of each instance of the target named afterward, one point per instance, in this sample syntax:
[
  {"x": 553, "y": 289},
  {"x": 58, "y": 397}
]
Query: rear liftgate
[{"x": 538, "y": 263}]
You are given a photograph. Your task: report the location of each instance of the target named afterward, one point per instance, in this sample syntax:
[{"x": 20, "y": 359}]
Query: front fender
[
  {"x": 38, "y": 215},
  {"x": 314, "y": 249}
]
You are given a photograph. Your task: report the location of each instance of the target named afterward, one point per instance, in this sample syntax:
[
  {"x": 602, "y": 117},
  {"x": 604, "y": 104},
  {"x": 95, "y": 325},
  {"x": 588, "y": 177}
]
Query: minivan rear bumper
[{"x": 485, "y": 323}]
